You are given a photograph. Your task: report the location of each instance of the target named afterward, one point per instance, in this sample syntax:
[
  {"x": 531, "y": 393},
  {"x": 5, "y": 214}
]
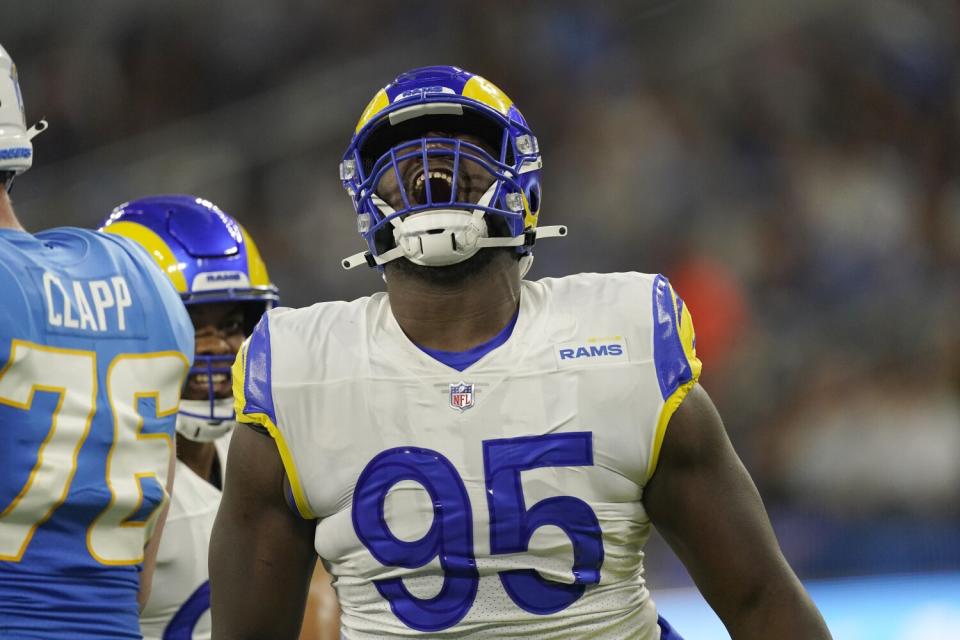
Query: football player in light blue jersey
[
  {"x": 94, "y": 349},
  {"x": 472, "y": 454}
]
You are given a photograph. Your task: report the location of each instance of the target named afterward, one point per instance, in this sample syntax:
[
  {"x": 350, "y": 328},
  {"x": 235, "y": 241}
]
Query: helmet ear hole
[{"x": 533, "y": 198}]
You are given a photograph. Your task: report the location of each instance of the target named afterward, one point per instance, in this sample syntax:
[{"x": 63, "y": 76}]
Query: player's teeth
[
  {"x": 438, "y": 175},
  {"x": 441, "y": 176},
  {"x": 204, "y": 378}
]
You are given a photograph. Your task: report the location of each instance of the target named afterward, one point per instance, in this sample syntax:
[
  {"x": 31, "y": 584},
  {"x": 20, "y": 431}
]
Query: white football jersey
[
  {"x": 179, "y": 604},
  {"x": 503, "y": 501}
]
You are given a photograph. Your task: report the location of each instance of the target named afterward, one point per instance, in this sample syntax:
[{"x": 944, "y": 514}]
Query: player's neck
[
  {"x": 8, "y": 219},
  {"x": 199, "y": 456},
  {"x": 456, "y": 316}
]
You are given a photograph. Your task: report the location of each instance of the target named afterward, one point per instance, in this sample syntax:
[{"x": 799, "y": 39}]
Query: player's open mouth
[
  {"x": 199, "y": 384},
  {"x": 441, "y": 186},
  {"x": 217, "y": 378}
]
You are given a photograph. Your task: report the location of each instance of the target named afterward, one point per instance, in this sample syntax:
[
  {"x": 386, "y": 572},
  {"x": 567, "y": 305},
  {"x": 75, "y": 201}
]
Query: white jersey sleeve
[{"x": 504, "y": 500}]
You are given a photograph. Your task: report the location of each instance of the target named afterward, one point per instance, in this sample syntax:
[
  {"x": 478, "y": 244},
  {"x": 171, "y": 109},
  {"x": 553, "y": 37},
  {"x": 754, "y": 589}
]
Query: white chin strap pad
[
  {"x": 195, "y": 423},
  {"x": 553, "y": 231},
  {"x": 439, "y": 238}
]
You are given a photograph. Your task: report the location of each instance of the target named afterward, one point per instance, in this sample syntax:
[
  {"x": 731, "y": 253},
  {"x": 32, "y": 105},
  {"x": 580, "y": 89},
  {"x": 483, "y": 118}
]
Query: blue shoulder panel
[
  {"x": 257, "y": 386},
  {"x": 673, "y": 368}
]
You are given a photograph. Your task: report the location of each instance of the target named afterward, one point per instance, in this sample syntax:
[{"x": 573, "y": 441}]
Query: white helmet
[{"x": 16, "y": 150}]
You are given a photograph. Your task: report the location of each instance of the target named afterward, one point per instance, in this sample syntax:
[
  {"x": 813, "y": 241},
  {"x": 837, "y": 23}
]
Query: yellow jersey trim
[
  {"x": 687, "y": 337},
  {"x": 262, "y": 419},
  {"x": 666, "y": 412}
]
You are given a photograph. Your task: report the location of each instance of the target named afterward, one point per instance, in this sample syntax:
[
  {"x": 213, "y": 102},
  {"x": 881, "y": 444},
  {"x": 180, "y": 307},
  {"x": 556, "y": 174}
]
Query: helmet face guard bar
[
  {"x": 210, "y": 365},
  {"x": 502, "y": 183}
]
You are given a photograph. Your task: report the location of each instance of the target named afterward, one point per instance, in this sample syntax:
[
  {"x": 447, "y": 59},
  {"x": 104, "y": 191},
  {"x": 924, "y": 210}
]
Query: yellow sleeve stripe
[
  {"x": 666, "y": 412},
  {"x": 687, "y": 336},
  {"x": 240, "y": 402},
  {"x": 237, "y": 371},
  {"x": 288, "y": 465}
]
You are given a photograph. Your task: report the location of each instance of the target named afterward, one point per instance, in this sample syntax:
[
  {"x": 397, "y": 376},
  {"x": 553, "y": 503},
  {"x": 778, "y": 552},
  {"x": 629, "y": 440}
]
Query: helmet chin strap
[
  {"x": 441, "y": 237},
  {"x": 198, "y": 423}
]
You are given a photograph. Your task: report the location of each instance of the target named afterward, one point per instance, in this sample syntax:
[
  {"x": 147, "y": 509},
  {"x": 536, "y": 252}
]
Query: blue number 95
[{"x": 450, "y": 536}]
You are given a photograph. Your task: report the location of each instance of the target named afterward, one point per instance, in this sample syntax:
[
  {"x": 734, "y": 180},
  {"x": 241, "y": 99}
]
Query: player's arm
[
  {"x": 261, "y": 552},
  {"x": 704, "y": 503},
  {"x": 153, "y": 544},
  {"x": 322, "y": 620}
]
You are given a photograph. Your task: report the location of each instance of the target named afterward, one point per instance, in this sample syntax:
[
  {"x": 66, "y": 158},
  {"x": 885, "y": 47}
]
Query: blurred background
[{"x": 791, "y": 165}]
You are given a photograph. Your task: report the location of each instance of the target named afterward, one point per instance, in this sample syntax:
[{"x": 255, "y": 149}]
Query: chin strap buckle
[
  {"x": 357, "y": 259},
  {"x": 552, "y": 231},
  {"x": 38, "y": 128}
]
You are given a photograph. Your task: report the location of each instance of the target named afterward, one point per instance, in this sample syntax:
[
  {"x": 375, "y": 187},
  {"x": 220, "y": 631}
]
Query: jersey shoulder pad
[
  {"x": 253, "y": 375},
  {"x": 674, "y": 339},
  {"x": 253, "y": 395}
]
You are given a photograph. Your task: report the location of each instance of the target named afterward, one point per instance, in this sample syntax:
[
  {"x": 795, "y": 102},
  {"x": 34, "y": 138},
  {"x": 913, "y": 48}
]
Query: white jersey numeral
[
  {"x": 73, "y": 375},
  {"x": 114, "y": 537},
  {"x": 135, "y": 458}
]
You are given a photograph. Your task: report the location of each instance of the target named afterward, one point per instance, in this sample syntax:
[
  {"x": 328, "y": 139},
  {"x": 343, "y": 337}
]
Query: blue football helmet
[
  {"x": 209, "y": 258},
  {"x": 416, "y": 121},
  {"x": 16, "y": 150}
]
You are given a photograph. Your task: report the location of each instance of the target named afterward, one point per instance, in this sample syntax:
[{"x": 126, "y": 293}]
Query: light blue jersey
[{"x": 94, "y": 347}]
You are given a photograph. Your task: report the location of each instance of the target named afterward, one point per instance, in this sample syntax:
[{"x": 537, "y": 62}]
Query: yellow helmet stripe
[
  {"x": 379, "y": 102},
  {"x": 482, "y": 90},
  {"x": 255, "y": 265},
  {"x": 156, "y": 247}
]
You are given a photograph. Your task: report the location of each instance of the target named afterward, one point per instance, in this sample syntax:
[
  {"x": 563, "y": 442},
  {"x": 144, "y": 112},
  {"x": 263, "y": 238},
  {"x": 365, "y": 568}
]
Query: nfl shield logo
[{"x": 461, "y": 396}]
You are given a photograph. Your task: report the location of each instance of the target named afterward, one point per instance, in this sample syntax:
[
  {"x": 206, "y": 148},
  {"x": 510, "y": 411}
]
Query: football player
[
  {"x": 473, "y": 454},
  {"x": 94, "y": 349},
  {"x": 215, "y": 266}
]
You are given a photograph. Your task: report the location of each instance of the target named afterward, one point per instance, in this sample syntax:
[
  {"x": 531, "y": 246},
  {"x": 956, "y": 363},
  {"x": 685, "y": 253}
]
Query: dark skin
[
  {"x": 219, "y": 332},
  {"x": 704, "y": 503},
  {"x": 700, "y": 498},
  {"x": 261, "y": 552},
  {"x": 487, "y": 300}
]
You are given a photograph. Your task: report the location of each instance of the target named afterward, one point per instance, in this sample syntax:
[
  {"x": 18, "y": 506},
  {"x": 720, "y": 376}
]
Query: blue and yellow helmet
[
  {"x": 400, "y": 125},
  {"x": 210, "y": 258},
  {"x": 207, "y": 254}
]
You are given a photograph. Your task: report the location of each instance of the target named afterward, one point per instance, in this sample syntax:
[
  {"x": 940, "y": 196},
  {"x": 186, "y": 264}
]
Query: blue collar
[{"x": 460, "y": 360}]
